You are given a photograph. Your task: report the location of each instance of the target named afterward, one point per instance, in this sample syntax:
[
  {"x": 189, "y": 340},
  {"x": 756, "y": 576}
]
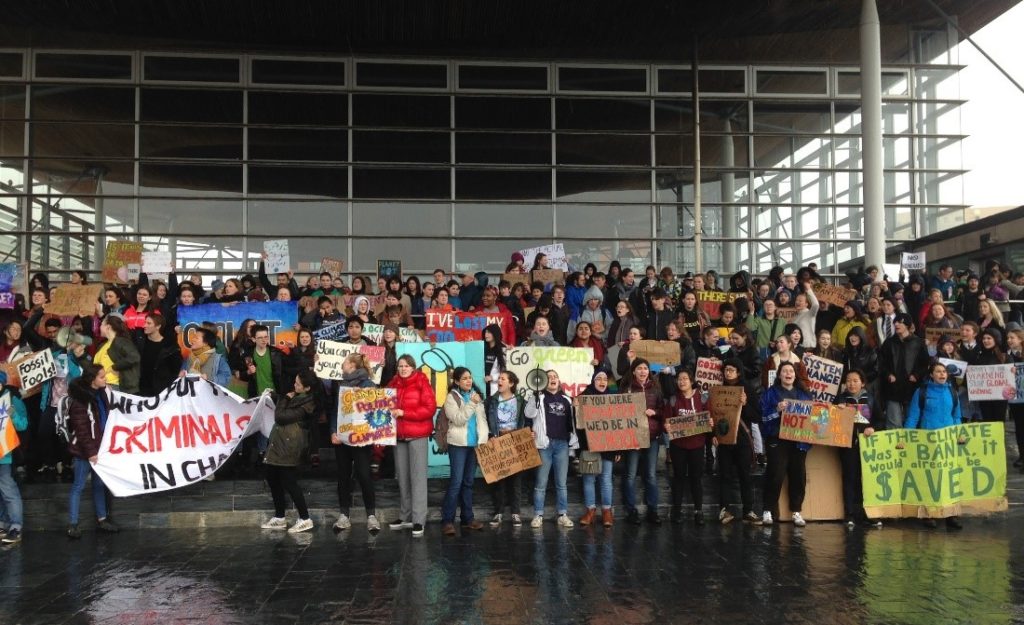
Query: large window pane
[
  {"x": 602, "y": 79},
  {"x": 633, "y": 254},
  {"x": 83, "y": 140},
  {"x": 191, "y": 105},
  {"x": 792, "y": 82},
  {"x": 428, "y": 184},
  {"x": 502, "y": 185},
  {"x": 84, "y": 176},
  {"x": 282, "y": 217},
  {"x": 519, "y": 220},
  {"x": 71, "y": 65},
  {"x": 180, "y": 179},
  {"x": 793, "y": 187},
  {"x": 391, "y": 218},
  {"x": 84, "y": 214},
  {"x": 12, "y": 101},
  {"x": 711, "y": 81},
  {"x": 217, "y": 142},
  {"x": 12, "y": 139},
  {"x": 503, "y": 148},
  {"x": 401, "y": 111},
  {"x": 491, "y": 256},
  {"x": 603, "y": 149},
  {"x": 503, "y": 113},
  {"x": 84, "y": 103},
  {"x": 800, "y": 152},
  {"x": 417, "y": 75},
  {"x": 298, "y": 108},
  {"x": 508, "y": 77},
  {"x": 419, "y": 256},
  {"x": 298, "y": 144},
  {"x": 790, "y": 117},
  {"x": 407, "y": 147},
  {"x": 191, "y": 69},
  {"x": 604, "y": 186},
  {"x": 12, "y": 64},
  {"x": 184, "y": 216},
  {"x": 603, "y": 114},
  {"x": 210, "y": 256},
  {"x": 298, "y": 72},
  {"x": 715, "y": 151},
  {"x": 298, "y": 182},
  {"x": 597, "y": 221}
]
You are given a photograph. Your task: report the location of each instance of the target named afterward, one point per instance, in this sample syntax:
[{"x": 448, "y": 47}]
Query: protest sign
[
  {"x": 388, "y": 268},
  {"x": 13, "y": 280},
  {"x": 508, "y": 454},
  {"x": 663, "y": 353},
  {"x": 36, "y": 369},
  {"x": 955, "y": 368},
  {"x": 346, "y": 303},
  {"x": 177, "y": 438},
  {"x": 708, "y": 374},
  {"x": 555, "y": 256},
  {"x": 932, "y": 336},
  {"x": 332, "y": 266},
  {"x": 825, "y": 376},
  {"x": 548, "y": 277},
  {"x": 725, "y": 406},
  {"x": 154, "y": 263},
  {"x": 134, "y": 271},
  {"x": 375, "y": 332},
  {"x": 8, "y": 435},
  {"x": 332, "y": 331},
  {"x": 571, "y": 363},
  {"x": 688, "y": 424},
  {"x": 280, "y": 317},
  {"x": 278, "y": 258},
  {"x": 70, "y": 300},
  {"x": 833, "y": 295},
  {"x": 711, "y": 302},
  {"x": 330, "y": 355},
  {"x": 823, "y": 493},
  {"x": 991, "y": 382},
  {"x": 913, "y": 261},
  {"x": 785, "y": 314},
  {"x": 933, "y": 475},
  {"x": 614, "y": 422},
  {"x": 438, "y": 361},
  {"x": 119, "y": 255},
  {"x": 364, "y": 416},
  {"x": 447, "y": 326},
  {"x": 818, "y": 423},
  {"x": 517, "y": 278},
  {"x": 891, "y": 271},
  {"x": 1018, "y": 398}
]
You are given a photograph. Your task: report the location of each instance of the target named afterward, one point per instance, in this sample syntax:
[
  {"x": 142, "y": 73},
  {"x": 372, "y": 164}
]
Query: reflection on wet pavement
[{"x": 678, "y": 574}]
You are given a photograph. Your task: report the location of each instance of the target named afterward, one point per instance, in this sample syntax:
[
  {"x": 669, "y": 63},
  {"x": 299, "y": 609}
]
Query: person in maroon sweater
[
  {"x": 687, "y": 453},
  {"x": 640, "y": 380},
  {"x": 414, "y": 415},
  {"x": 87, "y": 418}
]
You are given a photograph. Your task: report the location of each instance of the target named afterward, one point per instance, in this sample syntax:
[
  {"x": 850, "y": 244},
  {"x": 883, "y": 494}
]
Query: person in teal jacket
[
  {"x": 937, "y": 408},
  {"x": 11, "y": 513}
]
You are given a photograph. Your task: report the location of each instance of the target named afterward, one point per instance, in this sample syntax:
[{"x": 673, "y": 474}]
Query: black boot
[{"x": 676, "y": 515}]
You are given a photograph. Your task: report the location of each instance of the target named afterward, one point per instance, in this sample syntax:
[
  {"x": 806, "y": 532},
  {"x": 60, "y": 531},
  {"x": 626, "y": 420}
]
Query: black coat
[
  {"x": 277, "y": 371},
  {"x": 163, "y": 373},
  {"x": 902, "y": 358}
]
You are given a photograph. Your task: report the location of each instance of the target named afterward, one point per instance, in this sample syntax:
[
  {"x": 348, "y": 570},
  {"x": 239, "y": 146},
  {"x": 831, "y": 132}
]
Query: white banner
[
  {"x": 991, "y": 382},
  {"x": 555, "y": 253},
  {"x": 330, "y": 355},
  {"x": 571, "y": 363},
  {"x": 36, "y": 370},
  {"x": 375, "y": 332},
  {"x": 913, "y": 261},
  {"x": 278, "y": 258},
  {"x": 154, "y": 444}
]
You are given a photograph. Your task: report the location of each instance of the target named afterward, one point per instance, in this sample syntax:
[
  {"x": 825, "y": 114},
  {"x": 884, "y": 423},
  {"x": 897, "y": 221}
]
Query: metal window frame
[
  {"x": 24, "y": 64},
  {"x": 242, "y": 69},
  {"x": 558, "y": 90},
  {"x": 840, "y": 95},
  {"x": 745, "y": 69},
  {"x": 344, "y": 62},
  {"x": 793, "y": 69},
  {"x": 32, "y": 53},
  {"x": 459, "y": 89},
  {"x": 355, "y": 87}
]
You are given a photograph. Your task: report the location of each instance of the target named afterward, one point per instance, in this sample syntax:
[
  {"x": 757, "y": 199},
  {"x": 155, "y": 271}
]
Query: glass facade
[{"x": 457, "y": 163}]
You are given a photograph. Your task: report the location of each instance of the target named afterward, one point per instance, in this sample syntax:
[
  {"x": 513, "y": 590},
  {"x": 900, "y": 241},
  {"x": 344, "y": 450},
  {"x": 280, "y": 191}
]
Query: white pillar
[
  {"x": 871, "y": 134},
  {"x": 729, "y": 229}
]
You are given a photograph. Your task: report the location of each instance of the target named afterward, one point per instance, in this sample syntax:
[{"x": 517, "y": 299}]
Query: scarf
[{"x": 199, "y": 357}]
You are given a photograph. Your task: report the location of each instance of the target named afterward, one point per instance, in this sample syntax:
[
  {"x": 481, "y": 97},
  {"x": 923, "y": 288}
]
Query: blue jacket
[
  {"x": 939, "y": 408},
  {"x": 574, "y": 299},
  {"x": 18, "y": 414},
  {"x": 771, "y": 419}
]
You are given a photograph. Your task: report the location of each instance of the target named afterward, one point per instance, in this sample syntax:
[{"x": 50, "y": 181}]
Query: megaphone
[{"x": 537, "y": 380}]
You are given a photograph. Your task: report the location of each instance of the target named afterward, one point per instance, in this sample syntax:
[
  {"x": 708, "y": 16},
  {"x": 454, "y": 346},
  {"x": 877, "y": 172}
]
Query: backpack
[
  {"x": 923, "y": 392},
  {"x": 61, "y": 419}
]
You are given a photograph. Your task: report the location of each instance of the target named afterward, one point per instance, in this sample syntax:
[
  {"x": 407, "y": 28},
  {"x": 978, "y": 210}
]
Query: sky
[{"x": 993, "y": 116}]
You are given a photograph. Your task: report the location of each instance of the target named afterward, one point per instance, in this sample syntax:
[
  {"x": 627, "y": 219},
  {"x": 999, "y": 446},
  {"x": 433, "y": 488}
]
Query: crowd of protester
[{"x": 131, "y": 344}]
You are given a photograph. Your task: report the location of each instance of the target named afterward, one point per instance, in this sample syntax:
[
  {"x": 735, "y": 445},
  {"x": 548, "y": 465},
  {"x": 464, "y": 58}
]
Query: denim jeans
[
  {"x": 649, "y": 457},
  {"x": 557, "y": 454},
  {"x": 589, "y": 483},
  {"x": 460, "y": 485},
  {"x": 10, "y": 500},
  {"x": 99, "y": 491},
  {"x": 894, "y": 415}
]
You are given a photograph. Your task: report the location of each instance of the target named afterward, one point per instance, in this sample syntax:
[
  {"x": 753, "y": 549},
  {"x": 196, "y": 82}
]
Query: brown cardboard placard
[
  {"x": 508, "y": 454},
  {"x": 709, "y": 373},
  {"x": 548, "y": 276},
  {"x": 516, "y": 278},
  {"x": 818, "y": 423},
  {"x": 666, "y": 353},
  {"x": 70, "y": 300},
  {"x": 614, "y": 422},
  {"x": 833, "y": 295},
  {"x": 932, "y": 336},
  {"x": 688, "y": 424},
  {"x": 823, "y": 498},
  {"x": 725, "y": 405},
  {"x": 119, "y": 255},
  {"x": 332, "y": 266}
]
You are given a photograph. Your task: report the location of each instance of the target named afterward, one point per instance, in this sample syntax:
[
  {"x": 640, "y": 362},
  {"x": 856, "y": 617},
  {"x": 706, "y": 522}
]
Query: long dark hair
[
  {"x": 453, "y": 381},
  {"x": 797, "y": 384},
  {"x": 316, "y": 388},
  {"x": 244, "y": 333},
  {"x": 117, "y": 325},
  {"x": 498, "y": 350}
]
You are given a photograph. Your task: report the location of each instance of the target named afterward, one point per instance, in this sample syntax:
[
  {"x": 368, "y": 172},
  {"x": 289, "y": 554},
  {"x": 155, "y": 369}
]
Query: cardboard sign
[
  {"x": 933, "y": 475},
  {"x": 725, "y": 405},
  {"x": 119, "y": 255},
  {"x": 834, "y": 295},
  {"x": 932, "y": 336},
  {"x": 548, "y": 277},
  {"x": 818, "y": 423},
  {"x": 955, "y": 368},
  {"x": 614, "y": 422},
  {"x": 664, "y": 353},
  {"x": 825, "y": 376},
  {"x": 571, "y": 363},
  {"x": 388, "y": 268},
  {"x": 155, "y": 263},
  {"x": 688, "y": 424},
  {"x": 555, "y": 253},
  {"x": 991, "y": 382},
  {"x": 913, "y": 261},
  {"x": 278, "y": 258},
  {"x": 823, "y": 499},
  {"x": 332, "y": 332},
  {"x": 708, "y": 374},
  {"x": 13, "y": 280},
  {"x": 36, "y": 369},
  {"x": 330, "y": 356},
  {"x": 891, "y": 271},
  {"x": 785, "y": 314},
  {"x": 346, "y": 303},
  {"x": 444, "y": 327},
  {"x": 711, "y": 301},
  {"x": 364, "y": 416},
  {"x": 71, "y": 300},
  {"x": 375, "y": 332},
  {"x": 508, "y": 454},
  {"x": 517, "y": 278},
  {"x": 332, "y": 266}
]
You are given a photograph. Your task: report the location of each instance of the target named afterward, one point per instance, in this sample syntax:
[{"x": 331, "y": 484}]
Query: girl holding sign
[
  {"x": 855, "y": 394},
  {"x": 356, "y": 372},
  {"x": 687, "y": 453},
  {"x": 605, "y": 464},
  {"x": 785, "y": 458},
  {"x": 640, "y": 380},
  {"x": 467, "y": 428},
  {"x": 735, "y": 459},
  {"x": 506, "y": 412},
  {"x": 1015, "y": 354}
]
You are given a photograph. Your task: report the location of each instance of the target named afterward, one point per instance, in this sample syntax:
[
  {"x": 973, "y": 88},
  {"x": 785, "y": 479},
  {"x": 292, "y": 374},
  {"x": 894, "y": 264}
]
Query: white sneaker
[
  {"x": 564, "y": 521},
  {"x": 537, "y": 522},
  {"x": 275, "y": 523},
  {"x": 400, "y": 525},
  {"x": 517, "y": 520},
  {"x": 496, "y": 520},
  {"x": 302, "y": 525},
  {"x": 798, "y": 520},
  {"x": 343, "y": 523},
  {"x": 372, "y": 524},
  {"x": 766, "y": 518},
  {"x": 725, "y": 517}
]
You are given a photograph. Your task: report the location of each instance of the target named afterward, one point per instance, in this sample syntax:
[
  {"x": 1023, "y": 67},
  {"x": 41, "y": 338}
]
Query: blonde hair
[
  {"x": 993, "y": 311},
  {"x": 361, "y": 362}
]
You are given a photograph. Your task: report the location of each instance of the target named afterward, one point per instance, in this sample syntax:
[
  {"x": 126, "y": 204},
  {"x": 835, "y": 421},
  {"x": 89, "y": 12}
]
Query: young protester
[
  {"x": 855, "y": 394},
  {"x": 853, "y": 317},
  {"x": 417, "y": 404},
  {"x": 806, "y": 305},
  {"x": 902, "y": 365},
  {"x": 593, "y": 312},
  {"x": 118, "y": 356},
  {"x": 541, "y": 335},
  {"x": 585, "y": 338},
  {"x": 506, "y": 412},
  {"x": 734, "y": 461},
  {"x": 354, "y": 460},
  {"x": 87, "y": 418},
  {"x": 783, "y": 353},
  {"x": 624, "y": 321},
  {"x": 467, "y": 428},
  {"x": 1015, "y": 354},
  {"x": 203, "y": 359},
  {"x": 494, "y": 357},
  {"x": 11, "y": 508},
  {"x": 596, "y": 466},
  {"x": 694, "y": 319},
  {"x": 687, "y": 453},
  {"x": 640, "y": 380},
  {"x": 766, "y": 327},
  {"x": 785, "y": 458},
  {"x": 289, "y": 443},
  {"x": 551, "y": 413},
  {"x": 159, "y": 361},
  {"x": 826, "y": 348}
]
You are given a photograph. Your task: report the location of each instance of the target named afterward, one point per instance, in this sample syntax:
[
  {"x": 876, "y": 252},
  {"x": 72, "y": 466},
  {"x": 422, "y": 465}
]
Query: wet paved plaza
[{"x": 820, "y": 574}]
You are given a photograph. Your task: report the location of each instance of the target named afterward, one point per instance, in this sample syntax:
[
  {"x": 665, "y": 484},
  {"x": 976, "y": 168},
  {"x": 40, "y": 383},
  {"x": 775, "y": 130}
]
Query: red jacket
[
  {"x": 135, "y": 320},
  {"x": 418, "y": 403}
]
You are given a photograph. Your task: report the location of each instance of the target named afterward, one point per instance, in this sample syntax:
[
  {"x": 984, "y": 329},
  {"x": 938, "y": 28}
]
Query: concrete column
[
  {"x": 871, "y": 134},
  {"x": 729, "y": 229}
]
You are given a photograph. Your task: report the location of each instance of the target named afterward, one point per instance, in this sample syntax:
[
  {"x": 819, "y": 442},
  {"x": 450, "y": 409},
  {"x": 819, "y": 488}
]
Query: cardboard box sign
[
  {"x": 388, "y": 268},
  {"x": 516, "y": 278},
  {"x": 688, "y": 424},
  {"x": 823, "y": 495},
  {"x": 548, "y": 277},
  {"x": 332, "y": 266},
  {"x": 119, "y": 255},
  {"x": 36, "y": 369},
  {"x": 506, "y": 455},
  {"x": 614, "y": 422},
  {"x": 364, "y": 416},
  {"x": 932, "y": 336},
  {"x": 70, "y": 300},
  {"x": 726, "y": 406},
  {"x": 825, "y": 377},
  {"x": 834, "y": 295},
  {"x": 709, "y": 373},
  {"x": 818, "y": 423},
  {"x": 711, "y": 301},
  {"x": 785, "y": 314},
  {"x": 664, "y": 353}
]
